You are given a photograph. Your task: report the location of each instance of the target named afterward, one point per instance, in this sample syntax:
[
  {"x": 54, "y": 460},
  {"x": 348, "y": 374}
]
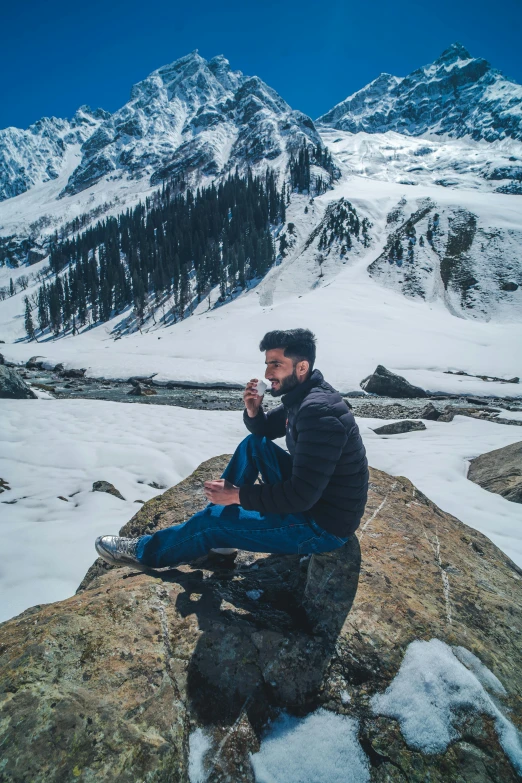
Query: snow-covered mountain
[
  {"x": 193, "y": 115},
  {"x": 200, "y": 119},
  {"x": 458, "y": 95},
  {"x": 36, "y": 155}
]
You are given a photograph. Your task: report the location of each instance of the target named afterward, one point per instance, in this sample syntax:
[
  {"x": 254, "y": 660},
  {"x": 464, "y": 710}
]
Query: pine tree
[
  {"x": 29, "y": 325},
  {"x": 11, "y": 287}
]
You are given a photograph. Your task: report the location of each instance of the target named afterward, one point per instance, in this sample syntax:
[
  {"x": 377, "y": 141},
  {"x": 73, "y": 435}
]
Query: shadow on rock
[{"x": 269, "y": 632}]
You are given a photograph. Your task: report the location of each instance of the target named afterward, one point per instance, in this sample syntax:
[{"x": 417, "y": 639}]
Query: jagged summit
[
  {"x": 456, "y": 94},
  {"x": 192, "y": 115}
]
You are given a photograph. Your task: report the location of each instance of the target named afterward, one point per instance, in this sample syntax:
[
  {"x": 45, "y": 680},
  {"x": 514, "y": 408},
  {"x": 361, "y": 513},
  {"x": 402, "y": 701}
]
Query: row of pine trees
[{"x": 175, "y": 246}]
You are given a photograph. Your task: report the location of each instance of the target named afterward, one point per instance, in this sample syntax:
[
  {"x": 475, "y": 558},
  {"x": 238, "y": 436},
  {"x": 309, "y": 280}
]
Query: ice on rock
[
  {"x": 199, "y": 744},
  {"x": 431, "y": 685},
  {"x": 321, "y": 748}
]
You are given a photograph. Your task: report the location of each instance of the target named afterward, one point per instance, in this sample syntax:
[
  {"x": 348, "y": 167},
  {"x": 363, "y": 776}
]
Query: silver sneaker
[{"x": 117, "y": 550}]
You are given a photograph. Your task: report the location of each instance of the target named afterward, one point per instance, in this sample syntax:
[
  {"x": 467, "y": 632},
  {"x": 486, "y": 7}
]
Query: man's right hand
[{"x": 252, "y": 398}]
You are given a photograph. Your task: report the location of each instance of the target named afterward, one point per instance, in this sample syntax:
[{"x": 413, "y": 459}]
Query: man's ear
[{"x": 303, "y": 367}]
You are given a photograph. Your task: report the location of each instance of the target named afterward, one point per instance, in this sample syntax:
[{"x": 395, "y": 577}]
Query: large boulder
[
  {"x": 12, "y": 386},
  {"x": 500, "y": 471},
  {"x": 142, "y": 675},
  {"x": 388, "y": 384}
]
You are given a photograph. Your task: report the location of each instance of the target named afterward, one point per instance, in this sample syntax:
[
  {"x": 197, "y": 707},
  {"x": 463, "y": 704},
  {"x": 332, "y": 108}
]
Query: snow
[
  {"x": 199, "y": 744},
  {"x": 321, "y": 748},
  {"x": 429, "y": 688},
  {"x": 50, "y": 448}
]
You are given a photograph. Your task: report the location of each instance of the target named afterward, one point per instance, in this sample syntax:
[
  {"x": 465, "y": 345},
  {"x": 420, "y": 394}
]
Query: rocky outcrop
[
  {"x": 106, "y": 486},
  {"x": 500, "y": 471},
  {"x": 388, "y": 384},
  {"x": 430, "y": 412},
  {"x": 12, "y": 386},
  {"x": 398, "y": 427},
  {"x": 111, "y": 684}
]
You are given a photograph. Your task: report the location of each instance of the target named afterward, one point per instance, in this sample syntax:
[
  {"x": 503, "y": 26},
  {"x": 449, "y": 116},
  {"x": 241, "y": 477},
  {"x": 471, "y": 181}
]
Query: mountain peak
[{"x": 453, "y": 53}]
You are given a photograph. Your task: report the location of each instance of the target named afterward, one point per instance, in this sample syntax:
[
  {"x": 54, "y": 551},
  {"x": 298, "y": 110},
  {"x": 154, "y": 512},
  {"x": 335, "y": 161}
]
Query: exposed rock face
[
  {"x": 457, "y": 94},
  {"x": 138, "y": 390},
  {"x": 106, "y": 486},
  {"x": 109, "y": 684},
  {"x": 12, "y": 386},
  {"x": 500, "y": 471},
  {"x": 398, "y": 427},
  {"x": 430, "y": 412},
  {"x": 387, "y": 384}
]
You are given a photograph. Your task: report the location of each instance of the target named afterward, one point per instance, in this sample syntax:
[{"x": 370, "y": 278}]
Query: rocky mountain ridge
[{"x": 457, "y": 95}]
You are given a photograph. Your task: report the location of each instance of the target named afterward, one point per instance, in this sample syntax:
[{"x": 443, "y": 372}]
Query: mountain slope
[
  {"x": 456, "y": 95},
  {"x": 36, "y": 155}
]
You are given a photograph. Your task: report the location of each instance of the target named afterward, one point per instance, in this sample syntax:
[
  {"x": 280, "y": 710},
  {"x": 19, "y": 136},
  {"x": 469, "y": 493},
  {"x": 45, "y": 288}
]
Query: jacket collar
[{"x": 301, "y": 390}]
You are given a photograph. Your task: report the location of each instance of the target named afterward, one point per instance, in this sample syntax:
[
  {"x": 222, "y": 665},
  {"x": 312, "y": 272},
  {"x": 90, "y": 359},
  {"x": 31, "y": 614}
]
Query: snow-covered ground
[{"x": 50, "y": 448}]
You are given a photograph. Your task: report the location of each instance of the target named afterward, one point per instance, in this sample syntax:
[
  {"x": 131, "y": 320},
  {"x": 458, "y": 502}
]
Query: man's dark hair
[{"x": 298, "y": 344}]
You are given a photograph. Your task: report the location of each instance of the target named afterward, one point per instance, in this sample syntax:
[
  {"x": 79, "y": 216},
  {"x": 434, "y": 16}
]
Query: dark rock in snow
[
  {"x": 34, "y": 364},
  {"x": 13, "y": 387},
  {"x": 430, "y": 412},
  {"x": 388, "y": 384},
  {"x": 500, "y": 471},
  {"x": 73, "y": 373},
  {"x": 398, "y": 427},
  {"x": 106, "y": 486},
  {"x": 142, "y": 391}
]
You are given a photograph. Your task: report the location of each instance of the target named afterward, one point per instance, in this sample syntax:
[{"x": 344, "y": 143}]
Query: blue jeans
[{"x": 233, "y": 526}]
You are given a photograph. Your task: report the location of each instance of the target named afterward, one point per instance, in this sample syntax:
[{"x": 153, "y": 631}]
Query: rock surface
[
  {"x": 398, "y": 427},
  {"x": 388, "y": 384},
  {"x": 12, "y": 386},
  {"x": 109, "y": 684},
  {"x": 500, "y": 471},
  {"x": 106, "y": 486}
]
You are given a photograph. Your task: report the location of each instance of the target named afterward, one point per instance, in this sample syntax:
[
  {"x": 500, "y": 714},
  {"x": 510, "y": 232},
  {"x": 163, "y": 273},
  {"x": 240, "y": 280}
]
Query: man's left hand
[{"x": 221, "y": 492}]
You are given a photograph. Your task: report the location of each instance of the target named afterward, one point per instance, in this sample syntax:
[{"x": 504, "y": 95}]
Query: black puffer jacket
[{"x": 330, "y": 472}]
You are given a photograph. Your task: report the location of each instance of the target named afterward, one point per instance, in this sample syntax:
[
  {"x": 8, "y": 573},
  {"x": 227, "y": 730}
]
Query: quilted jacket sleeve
[
  {"x": 270, "y": 425},
  {"x": 321, "y": 438}
]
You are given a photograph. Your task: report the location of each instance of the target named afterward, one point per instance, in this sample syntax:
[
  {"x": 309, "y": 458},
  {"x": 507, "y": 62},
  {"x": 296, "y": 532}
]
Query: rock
[
  {"x": 13, "y": 387},
  {"x": 430, "y": 412},
  {"x": 447, "y": 415},
  {"x": 143, "y": 659},
  {"x": 4, "y": 485},
  {"x": 2, "y": 360},
  {"x": 34, "y": 364},
  {"x": 387, "y": 384},
  {"x": 398, "y": 427},
  {"x": 500, "y": 471},
  {"x": 355, "y": 394},
  {"x": 61, "y": 497},
  {"x": 73, "y": 373},
  {"x": 137, "y": 379},
  {"x": 44, "y": 387},
  {"x": 106, "y": 486},
  {"x": 141, "y": 391},
  {"x": 59, "y": 368}
]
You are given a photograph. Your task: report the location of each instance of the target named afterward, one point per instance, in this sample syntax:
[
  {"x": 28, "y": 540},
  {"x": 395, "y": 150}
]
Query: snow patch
[
  {"x": 431, "y": 685},
  {"x": 199, "y": 744},
  {"x": 321, "y": 748}
]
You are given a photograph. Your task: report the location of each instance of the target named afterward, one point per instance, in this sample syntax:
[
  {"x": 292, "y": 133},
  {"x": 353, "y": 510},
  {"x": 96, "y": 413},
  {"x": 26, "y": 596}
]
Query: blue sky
[{"x": 58, "y": 55}]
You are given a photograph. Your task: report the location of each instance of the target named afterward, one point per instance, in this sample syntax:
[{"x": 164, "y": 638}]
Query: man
[{"x": 312, "y": 497}]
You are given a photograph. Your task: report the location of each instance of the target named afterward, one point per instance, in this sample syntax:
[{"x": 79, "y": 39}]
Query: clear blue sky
[{"x": 57, "y": 55}]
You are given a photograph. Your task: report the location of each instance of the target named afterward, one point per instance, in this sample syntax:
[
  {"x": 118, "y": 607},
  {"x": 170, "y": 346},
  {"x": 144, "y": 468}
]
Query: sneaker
[{"x": 117, "y": 550}]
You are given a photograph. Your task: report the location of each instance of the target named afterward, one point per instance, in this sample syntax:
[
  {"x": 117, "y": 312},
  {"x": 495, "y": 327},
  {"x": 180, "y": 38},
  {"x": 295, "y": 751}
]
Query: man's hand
[
  {"x": 221, "y": 492},
  {"x": 252, "y": 398}
]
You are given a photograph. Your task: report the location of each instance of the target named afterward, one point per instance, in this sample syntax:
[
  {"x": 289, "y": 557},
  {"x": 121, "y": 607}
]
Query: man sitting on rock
[{"x": 312, "y": 496}]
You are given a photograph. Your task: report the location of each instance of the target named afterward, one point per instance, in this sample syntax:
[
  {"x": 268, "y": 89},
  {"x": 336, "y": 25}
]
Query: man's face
[{"x": 281, "y": 373}]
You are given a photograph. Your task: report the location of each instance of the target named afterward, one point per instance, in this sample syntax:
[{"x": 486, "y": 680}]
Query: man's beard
[{"x": 286, "y": 384}]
